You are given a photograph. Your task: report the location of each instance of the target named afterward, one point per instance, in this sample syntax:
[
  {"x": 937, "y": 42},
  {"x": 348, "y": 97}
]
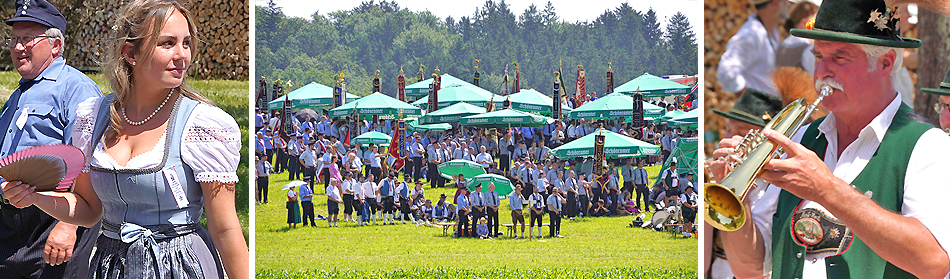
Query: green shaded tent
[
  {"x": 451, "y": 114},
  {"x": 652, "y": 86},
  {"x": 612, "y": 106},
  {"x": 506, "y": 118},
  {"x": 502, "y": 185},
  {"x": 685, "y": 152},
  {"x": 372, "y": 137},
  {"x": 615, "y": 146},
  {"x": 377, "y": 104},
  {"x": 309, "y": 96},
  {"x": 686, "y": 121},
  {"x": 415, "y": 126},
  {"x": 455, "y": 93},
  {"x": 532, "y": 101},
  {"x": 666, "y": 117},
  {"x": 421, "y": 88}
]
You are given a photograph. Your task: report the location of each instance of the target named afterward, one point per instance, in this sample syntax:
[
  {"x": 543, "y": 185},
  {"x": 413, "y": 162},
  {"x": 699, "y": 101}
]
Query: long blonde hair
[{"x": 139, "y": 24}]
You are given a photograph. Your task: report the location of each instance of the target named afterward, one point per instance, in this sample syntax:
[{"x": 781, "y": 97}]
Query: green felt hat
[
  {"x": 944, "y": 88},
  {"x": 868, "y": 22},
  {"x": 754, "y": 107}
]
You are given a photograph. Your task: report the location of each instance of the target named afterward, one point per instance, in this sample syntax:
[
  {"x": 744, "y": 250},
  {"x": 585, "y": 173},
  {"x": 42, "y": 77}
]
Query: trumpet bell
[{"x": 724, "y": 211}]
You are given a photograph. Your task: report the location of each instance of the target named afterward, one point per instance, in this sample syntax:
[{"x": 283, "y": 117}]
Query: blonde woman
[{"x": 158, "y": 155}]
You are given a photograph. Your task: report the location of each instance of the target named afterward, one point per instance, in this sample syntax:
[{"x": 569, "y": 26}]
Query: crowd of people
[{"x": 360, "y": 179}]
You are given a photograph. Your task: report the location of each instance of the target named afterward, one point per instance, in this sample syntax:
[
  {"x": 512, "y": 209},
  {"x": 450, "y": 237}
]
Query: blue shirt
[
  {"x": 47, "y": 104},
  {"x": 514, "y": 200},
  {"x": 461, "y": 202},
  {"x": 268, "y": 142},
  {"x": 304, "y": 191},
  {"x": 258, "y": 120}
]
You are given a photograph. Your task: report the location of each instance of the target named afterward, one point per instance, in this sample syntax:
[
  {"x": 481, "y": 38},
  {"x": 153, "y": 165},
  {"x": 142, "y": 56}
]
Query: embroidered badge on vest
[{"x": 821, "y": 234}]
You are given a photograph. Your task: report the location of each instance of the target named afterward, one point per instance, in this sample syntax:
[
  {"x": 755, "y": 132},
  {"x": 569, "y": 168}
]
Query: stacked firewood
[
  {"x": 723, "y": 19},
  {"x": 222, "y": 30}
]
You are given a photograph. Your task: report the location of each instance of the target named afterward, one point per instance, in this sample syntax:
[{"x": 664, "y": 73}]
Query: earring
[{"x": 133, "y": 63}]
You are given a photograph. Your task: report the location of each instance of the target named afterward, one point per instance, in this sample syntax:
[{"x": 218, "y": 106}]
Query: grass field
[
  {"x": 591, "y": 245},
  {"x": 229, "y": 95}
]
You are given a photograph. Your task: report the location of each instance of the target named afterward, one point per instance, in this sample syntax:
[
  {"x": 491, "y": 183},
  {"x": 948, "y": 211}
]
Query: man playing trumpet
[{"x": 860, "y": 193}]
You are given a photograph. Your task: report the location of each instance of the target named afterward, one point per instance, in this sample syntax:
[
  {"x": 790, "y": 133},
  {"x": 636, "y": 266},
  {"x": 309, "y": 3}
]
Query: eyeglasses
[
  {"x": 939, "y": 107},
  {"x": 27, "y": 41}
]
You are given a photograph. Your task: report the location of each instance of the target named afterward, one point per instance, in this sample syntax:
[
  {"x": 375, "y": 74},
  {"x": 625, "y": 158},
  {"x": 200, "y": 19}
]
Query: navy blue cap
[{"x": 38, "y": 11}]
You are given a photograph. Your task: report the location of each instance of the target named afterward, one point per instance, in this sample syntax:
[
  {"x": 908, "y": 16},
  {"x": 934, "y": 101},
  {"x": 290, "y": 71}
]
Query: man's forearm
[
  {"x": 900, "y": 240},
  {"x": 745, "y": 249}
]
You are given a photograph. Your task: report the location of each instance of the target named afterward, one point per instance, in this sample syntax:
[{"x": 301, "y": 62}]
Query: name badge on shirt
[
  {"x": 177, "y": 190},
  {"x": 21, "y": 121}
]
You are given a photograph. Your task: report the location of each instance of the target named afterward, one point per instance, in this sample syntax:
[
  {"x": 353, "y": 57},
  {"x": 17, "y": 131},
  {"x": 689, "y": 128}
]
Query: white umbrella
[{"x": 295, "y": 183}]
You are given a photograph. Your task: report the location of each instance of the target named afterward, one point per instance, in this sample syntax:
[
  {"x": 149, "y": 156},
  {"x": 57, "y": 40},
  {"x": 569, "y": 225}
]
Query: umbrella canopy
[
  {"x": 421, "y": 88},
  {"x": 377, "y": 104},
  {"x": 666, "y": 117},
  {"x": 415, "y": 126},
  {"x": 295, "y": 183},
  {"x": 615, "y": 146},
  {"x": 308, "y": 96},
  {"x": 459, "y": 166},
  {"x": 456, "y": 93},
  {"x": 372, "y": 137},
  {"x": 301, "y": 114},
  {"x": 688, "y": 120},
  {"x": 506, "y": 118},
  {"x": 532, "y": 101},
  {"x": 502, "y": 184},
  {"x": 451, "y": 113},
  {"x": 653, "y": 86},
  {"x": 614, "y": 105}
]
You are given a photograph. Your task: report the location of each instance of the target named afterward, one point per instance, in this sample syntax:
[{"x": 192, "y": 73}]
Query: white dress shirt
[
  {"x": 926, "y": 183},
  {"x": 749, "y": 58}
]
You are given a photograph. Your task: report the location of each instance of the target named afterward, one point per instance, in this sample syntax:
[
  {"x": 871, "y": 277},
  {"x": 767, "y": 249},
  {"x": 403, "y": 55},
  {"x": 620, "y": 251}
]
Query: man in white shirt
[
  {"x": 350, "y": 187},
  {"x": 333, "y": 204},
  {"x": 308, "y": 161},
  {"x": 870, "y": 179},
  {"x": 749, "y": 58},
  {"x": 484, "y": 159},
  {"x": 369, "y": 197}
]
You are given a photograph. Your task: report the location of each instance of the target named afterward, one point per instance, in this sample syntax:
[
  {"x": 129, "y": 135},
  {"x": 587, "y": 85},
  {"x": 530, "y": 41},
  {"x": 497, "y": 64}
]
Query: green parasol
[
  {"x": 421, "y": 88},
  {"x": 502, "y": 185},
  {"x": 415, "y": 126},
  {"x": 652, "y": 86},
  {"x": 309, "y": 96},
  {"x": 666, "y": 117},
  {"x": 459, "y": 166},
  {"x": 451, "y": 113},
  {"x": 377, "y": 104},
  {"x": 456, "y": 93},
  {"x": 686, "y": 121},
  {"x": 506, "y": 118},
  {"x": 615, "y": 146},
  {"x": 614, "y": 105},
  {"x": 532, "y": 101},
  {"x": 372, "y": 137}
]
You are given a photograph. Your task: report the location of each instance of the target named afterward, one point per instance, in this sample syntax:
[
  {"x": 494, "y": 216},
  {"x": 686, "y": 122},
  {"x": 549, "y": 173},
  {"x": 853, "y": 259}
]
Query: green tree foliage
[{"x": 384, "y": 36}]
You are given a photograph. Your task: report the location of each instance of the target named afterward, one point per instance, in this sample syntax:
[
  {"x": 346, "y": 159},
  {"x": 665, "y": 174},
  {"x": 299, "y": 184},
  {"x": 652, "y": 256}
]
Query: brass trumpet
[{"x": 723, "y": 200}]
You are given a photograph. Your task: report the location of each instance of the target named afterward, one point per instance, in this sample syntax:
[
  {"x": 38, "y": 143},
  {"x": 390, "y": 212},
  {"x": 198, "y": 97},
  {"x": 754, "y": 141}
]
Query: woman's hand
[{"x": 18, "y": 193}]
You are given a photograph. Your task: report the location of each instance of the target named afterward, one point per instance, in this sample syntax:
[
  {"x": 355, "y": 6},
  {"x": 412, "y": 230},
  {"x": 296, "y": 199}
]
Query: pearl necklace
[{"x": 150, "y": 115}]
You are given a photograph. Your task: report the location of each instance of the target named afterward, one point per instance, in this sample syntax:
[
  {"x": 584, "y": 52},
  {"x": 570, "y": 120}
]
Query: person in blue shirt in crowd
[
  {"x": 514, "y": 203},
  {"x": 306, "y": 204},
  {"x": 463, "y": 211}
]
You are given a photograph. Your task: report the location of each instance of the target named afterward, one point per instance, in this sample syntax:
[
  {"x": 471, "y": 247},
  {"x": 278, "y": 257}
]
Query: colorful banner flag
[
  {"x": 477, "y": 75},
  {"x": 610, "y": 79},
  {"x": 401, "y": 84}
]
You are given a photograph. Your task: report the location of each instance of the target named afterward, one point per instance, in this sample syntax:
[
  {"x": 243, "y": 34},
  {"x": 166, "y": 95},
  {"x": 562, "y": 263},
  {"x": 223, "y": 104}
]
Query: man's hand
[
  {"x": 717, "y": 166},
  {"x": 59, "y": 244},
  {"x": 801, "y": 173},
  {"x": 18, "y": 194}
]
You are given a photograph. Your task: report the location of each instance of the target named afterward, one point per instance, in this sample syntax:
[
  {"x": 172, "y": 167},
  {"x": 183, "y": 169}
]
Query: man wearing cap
[
  {"x": 514, "y": 203},
  {"x": 40, "y": 111},
  {"x": 308, "y": 160},
  {"x": 669, "y": 180},
  {"x": 492, "y": 203},
  {"x": 942, "y": 102},
  {"x": 415, "y": 150},
  {"x": 387, "y": 190},
  {"x": 294, "y": 149},
  {"x": 402, "y": 194},
  {"x": 434, "y": 155},
  {"x": 860, "y": 193},
  {"x": 554, "y": 208},
  {"x": 464, "y": 209},
  {"x": 750, "y": 54},
  {"x": 306, "y": 204}
]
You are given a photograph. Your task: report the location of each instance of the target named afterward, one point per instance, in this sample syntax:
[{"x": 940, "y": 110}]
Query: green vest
[{"x": 883, "y": 176}]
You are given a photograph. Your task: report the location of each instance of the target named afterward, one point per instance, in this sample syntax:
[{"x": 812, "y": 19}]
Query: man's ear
[
  {"x": 887, "y": 60},
  {"x": 57, "y": 48}
]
